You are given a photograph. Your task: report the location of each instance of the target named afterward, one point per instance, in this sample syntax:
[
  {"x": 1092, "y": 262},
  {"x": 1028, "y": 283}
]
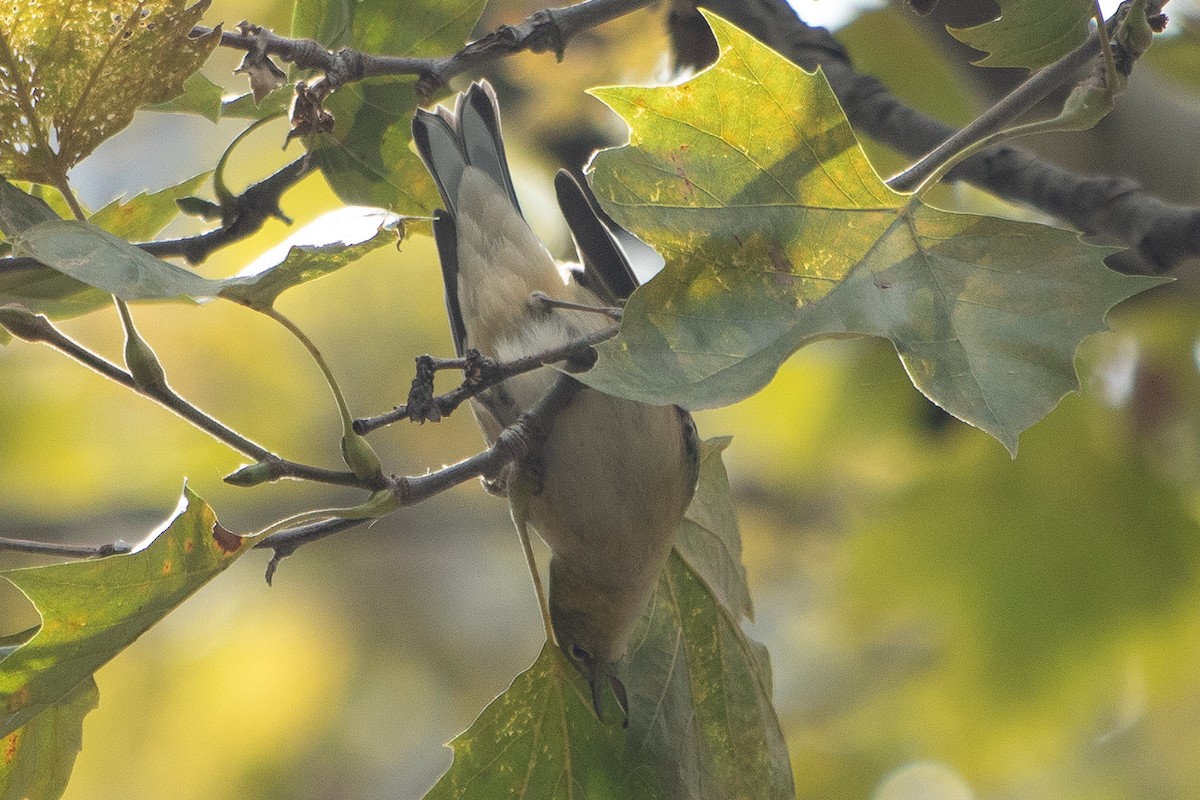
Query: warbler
[{"x": 613, "y": 477}]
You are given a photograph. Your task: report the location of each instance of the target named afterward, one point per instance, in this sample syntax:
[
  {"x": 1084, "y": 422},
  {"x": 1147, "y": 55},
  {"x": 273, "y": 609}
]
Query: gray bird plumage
[{"x": 614, "y": 475}]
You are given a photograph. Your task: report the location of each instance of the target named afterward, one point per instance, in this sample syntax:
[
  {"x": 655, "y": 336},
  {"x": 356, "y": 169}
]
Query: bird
[{"x": 613, "y": 477}]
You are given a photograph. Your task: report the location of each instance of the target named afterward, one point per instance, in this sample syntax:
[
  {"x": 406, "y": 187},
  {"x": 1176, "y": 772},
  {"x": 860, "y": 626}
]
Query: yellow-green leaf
[
  {"x": 143, "y": 216},
  {"x": 73, "y": 72},
  {"x": 303, "y": 263},
  {"x": 38, "y": 757},
  {"x": 92, "y": 610},
  {"x": 777, "y": 231}
]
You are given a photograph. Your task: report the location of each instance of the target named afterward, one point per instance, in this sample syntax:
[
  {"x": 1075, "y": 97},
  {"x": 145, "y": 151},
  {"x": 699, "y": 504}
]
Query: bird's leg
[
  {"x": 521, "y": 487},
  {"x": 545, "y": 302}
]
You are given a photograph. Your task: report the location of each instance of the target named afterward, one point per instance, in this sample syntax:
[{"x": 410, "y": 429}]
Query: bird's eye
[{"x": 579, "y": 654}]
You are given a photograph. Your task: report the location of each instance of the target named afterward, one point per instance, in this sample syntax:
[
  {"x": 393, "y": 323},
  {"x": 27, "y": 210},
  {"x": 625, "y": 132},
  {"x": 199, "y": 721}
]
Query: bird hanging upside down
[{"x": 613, "y": 477}]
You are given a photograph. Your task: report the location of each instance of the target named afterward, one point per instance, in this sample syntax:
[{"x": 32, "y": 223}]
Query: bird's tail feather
[{"x": 449, "y": 141}]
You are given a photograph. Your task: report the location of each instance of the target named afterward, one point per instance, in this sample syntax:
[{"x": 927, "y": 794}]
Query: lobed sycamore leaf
[
  {"x": 1029, "y": 33},
  {"x": 367, "y": 159},
  {"x": 777, "y": 231},
  {"x": 141, "y": 217},
  {"x": 73, "y": 72},
  {"x": 92, "y": 610},
  {"x": 303, "y": 263},
  {"x": 701, "y": 723}
]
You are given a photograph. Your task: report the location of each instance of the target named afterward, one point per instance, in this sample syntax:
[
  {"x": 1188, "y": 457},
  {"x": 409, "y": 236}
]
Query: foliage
[
  {"x": 90, "y": 611},
  {"x": 367, "y": 158},
  {"x": 74, "y": 73},
  {"x": 777, "y": 231},
  {"x": 774, "y": 241},
  {"x": 1025, "y": 35}
]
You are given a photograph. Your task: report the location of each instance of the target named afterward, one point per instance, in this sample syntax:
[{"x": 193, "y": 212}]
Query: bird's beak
[
  {"x": 595, "y": 680},
  {"x": 622, "y": 699}
]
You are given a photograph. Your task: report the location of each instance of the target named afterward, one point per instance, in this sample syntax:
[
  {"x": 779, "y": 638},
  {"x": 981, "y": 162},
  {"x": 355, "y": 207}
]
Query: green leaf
[
  {"x": 777, "y": 231},
  {"x": 701, "y": 723},
  {"x": 20, "y": 210},
  {"x": 708, "y": 539},
  {"x": 92, "y": 610},
  {"x": 47, "y": 291},
  {"x": 302, "y": 264},
  {"x": 1029, "y": 33},
  {"x": 85, "y": 265},
  {"x": 541, "y": 739},
  {"x": 39, "y": 288},
  {"x": 367, "y": 159},
  {"x": 40, "y": 755},
  {"x": 200, "y": 96},
  {"x": 99, "y": 259},
  {"x": 143, "y": 216},
  {"x": 72, "y": 73}
]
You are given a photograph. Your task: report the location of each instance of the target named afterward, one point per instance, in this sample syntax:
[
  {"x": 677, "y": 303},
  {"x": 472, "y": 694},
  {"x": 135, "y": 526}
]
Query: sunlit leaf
[
  {"x": 367, "y": 159},
  {"x": 92, "y": 610},
  {"x": 701, "y": 723},
  {"x": 39, "y": 756},
  {"x": 84, "y": 264},
  {"x": 302, "y": 264},
  {"x": 140, "y": 218},
  {"x": 1029, "y": 33},
  {"x": 777, "y": 231},
  {"x": 74, "y": 72}
]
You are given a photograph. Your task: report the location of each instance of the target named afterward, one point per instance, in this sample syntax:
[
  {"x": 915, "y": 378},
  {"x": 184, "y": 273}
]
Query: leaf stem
[
  {"x": 1002, "y": 115},
  {"x": 356, "y": 451}
]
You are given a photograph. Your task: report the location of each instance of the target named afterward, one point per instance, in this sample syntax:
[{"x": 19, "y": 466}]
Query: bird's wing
[{"x": 606, "y": 270}]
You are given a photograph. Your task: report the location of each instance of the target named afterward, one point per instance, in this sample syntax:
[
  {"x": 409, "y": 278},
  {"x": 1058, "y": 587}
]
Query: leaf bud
[
  {"x": 24, "y": 324},
  {"x": 360, "y": 457},
  {"x": 253, "y": 474}
]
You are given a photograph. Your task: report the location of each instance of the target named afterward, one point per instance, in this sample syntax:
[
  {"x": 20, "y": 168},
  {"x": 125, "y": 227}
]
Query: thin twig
[
  {"x": 64, "y": 550},
  {"x": 251, "y": 209},
  {"x": 36, "y": 328},
  {"x": 483, "y": 374},
  {"x": 514, "y": 443},
  {"x": 1002, "y": 115}
]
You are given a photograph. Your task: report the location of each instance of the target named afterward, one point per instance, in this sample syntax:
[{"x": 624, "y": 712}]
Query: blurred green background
[{"x": 944, "y": 622}]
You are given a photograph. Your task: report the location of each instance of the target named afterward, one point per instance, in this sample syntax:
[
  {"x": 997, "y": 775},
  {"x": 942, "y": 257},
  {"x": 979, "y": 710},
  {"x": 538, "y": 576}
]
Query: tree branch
[
  {"x": 249, "y": 212},
  {"x": 547, "y": 30}
]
